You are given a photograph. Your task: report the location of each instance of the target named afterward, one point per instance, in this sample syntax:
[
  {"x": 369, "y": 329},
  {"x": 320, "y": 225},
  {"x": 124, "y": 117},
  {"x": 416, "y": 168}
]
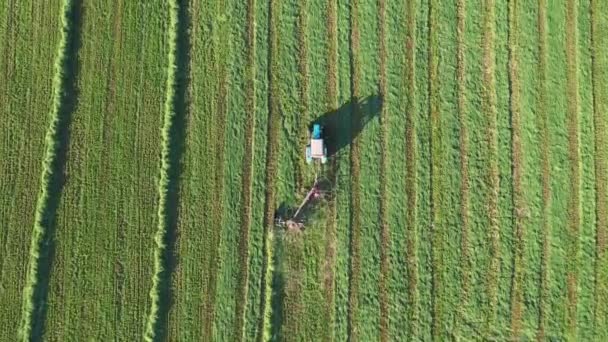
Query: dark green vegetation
[{"x": 146, "y": 147}]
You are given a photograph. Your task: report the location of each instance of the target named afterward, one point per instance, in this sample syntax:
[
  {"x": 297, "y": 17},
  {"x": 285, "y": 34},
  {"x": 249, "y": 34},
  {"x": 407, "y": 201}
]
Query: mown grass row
[
  {"x": 599, "y": 25},
  {"x": 411, "y": 172},
  {"x": 303, "y": 75},
  {"x": 464, "y": 163},
  {"x": 34, "y": 291},
  {"x": 220, "y": 150},
  {"x": 384, "y": 197},
  {"x": 167, "y": 166},
  {"x": 355, "y": 177},
  {"x": 436, "y": 191},
  {"x": 29, "y": 39},
  {"x": 545, "y": 162},
  {"x": 247, "y": 180},
  {"x": 271, "y": 168},
  {"x": 492, "y": 176},
  {"x": 518, "y": 196},
  {"x": 574, "y": 188},
  {"x": 331, "y": 103}
]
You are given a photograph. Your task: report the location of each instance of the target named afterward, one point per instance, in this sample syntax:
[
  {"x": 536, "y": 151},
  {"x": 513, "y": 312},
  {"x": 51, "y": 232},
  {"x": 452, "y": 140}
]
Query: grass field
[{"x": 146, "y": 149}]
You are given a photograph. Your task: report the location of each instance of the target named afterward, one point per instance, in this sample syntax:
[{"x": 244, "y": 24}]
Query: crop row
[
  {"x": 518, "y": 196},
  {"x": 464, "y": 163},
  {"x": 355, "y": 168},
  {"x": 574, "y": 189},
  {"x": 545, "y": 166},
  {"x": 331, "y": 105},
  {"x": 384, "y": 205},
  {"x": 247, "y": 180},
  {"x": 599, "y": 21},
  {"x": 411, "y": 175},
  {"x": 492, "y": 177}
]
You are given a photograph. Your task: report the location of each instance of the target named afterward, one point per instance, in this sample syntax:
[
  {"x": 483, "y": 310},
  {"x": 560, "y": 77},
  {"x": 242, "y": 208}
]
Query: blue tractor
[{"x": 316, "y": 149}]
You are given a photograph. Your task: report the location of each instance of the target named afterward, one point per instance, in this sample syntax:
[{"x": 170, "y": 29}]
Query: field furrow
[
  {"x": 31, "y": 103},
  {"x": 108, "y": 211},
  {"x": 574, "y": 166},
  {"x": 599, "y": 43}
]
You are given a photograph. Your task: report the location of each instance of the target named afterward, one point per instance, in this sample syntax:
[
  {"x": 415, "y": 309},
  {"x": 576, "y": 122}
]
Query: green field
[{"x": 146, "y": 149}]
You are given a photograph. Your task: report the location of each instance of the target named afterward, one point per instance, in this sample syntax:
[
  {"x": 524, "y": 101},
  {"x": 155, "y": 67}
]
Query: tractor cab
[{"x": 316, "y": 149}]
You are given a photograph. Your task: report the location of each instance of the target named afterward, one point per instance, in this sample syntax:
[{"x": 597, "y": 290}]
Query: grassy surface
[
  {"x": 468, "y": 170},
  {"x": 103, "y": 262},
  {"x": 30, "y": 44}
]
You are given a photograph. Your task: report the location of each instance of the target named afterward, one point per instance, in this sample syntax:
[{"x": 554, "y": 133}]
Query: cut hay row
[
  {"x": 272, "y": 167},
  {"x": 304, "y": 114},
  {"x": 492, "y": 178},
  {"x": 247, "y": 180},
  {"x": 517, "y": 169},
  {"x": 383, "y": 210},
  {"x": 599, "y": 43},
  {"x": 30, "y": 33},
  {"x": 545, "y": 168},
  {"x": 331, "y": 104},
  {"x": 217, "y": 203},
  {"x": 411, "y": 176},
  {"x": 355, "y": 169},
  {"x": 464, "y": 163},
  {"x": 109, "y": 201},
  {"x": 52, "y": 166},
  {"x": 574, "y": 190},
  {"x": 166, "y": 169},
  {"x": 436, "y": 142}
]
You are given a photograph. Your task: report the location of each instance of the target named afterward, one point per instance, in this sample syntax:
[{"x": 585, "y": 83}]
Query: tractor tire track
[
  {"x": 464, "y": 163},
  {"x": 355, "y": 168},
  {"x": 600, "y": 108},
  {"x": 489, "y": 108},
  {"x": 411, "y": 176},
  {"x": 330, "y": 230},
  {"x": 383, "y": 210},
  {"x": 574, "y": 200},
  {"x": 247, "y": 180},
  {"x": 517, "y": 170},
  {"x": 545, "y": 169}
]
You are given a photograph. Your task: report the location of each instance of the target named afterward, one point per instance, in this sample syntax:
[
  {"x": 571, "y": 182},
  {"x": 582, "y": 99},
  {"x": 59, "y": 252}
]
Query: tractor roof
[{"x": 316, "y": 147}]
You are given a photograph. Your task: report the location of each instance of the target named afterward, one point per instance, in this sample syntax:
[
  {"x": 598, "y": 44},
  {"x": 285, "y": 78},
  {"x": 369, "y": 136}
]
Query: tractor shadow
[{"x": 343, "y": 125}]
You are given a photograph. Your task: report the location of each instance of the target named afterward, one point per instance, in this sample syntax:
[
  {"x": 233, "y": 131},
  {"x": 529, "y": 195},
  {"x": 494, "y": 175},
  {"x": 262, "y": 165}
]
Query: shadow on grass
[
  {"x": 67, "y": 105},
  {"x": 177, "y": 134},
  {"x": 342, "y": 126},
  {"x": 278, "y": 289}
]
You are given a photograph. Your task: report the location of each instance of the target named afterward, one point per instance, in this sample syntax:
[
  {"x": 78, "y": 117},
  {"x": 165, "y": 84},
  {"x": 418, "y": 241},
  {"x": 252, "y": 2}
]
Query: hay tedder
[{"x": 295, "y": 219}]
